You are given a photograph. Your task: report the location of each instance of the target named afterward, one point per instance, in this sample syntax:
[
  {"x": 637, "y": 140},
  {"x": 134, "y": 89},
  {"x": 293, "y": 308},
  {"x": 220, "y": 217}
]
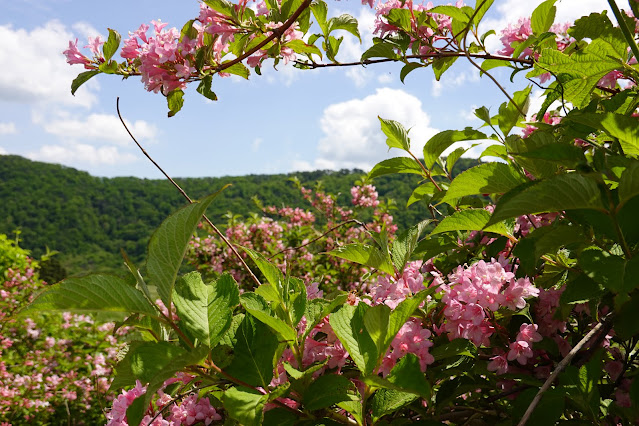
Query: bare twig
[
  {"x": 185, "y": 195},
  {"x": 363, "y": 225},
  {"x": 605, "y": 324}
]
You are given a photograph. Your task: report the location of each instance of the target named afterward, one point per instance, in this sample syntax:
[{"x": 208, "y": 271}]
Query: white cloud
[
  {"x": 96, "y": 127},
  {"x": 84, "y": 30},
  {"x": 8, "y": 128},
  {"x": 385, "y": 78},
  {"x": 255, "y": 146},
  {"x": 351, "y": 50},
  {"x": 3, "y": 151},
  {"x": 360, "y": 76},
  {"x": 81, "y": 155},
  {"x": 38, "y": 71},
  {"x": 352, "y": 133},
  {"x": 452, "y": 80},
  {"x": 469, "y": 114}
]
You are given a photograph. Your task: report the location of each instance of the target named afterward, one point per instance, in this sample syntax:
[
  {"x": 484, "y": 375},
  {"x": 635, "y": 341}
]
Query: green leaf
[
  {"x": 344, "y": 22},
  {"x": 244, "y": 405},
  {"x": 582, "y": 72},
  {"x": 364, "y": 255},
  {"x": 406, "y": 69},
  {"x": 177, "y": 363},
  {"x": 626, "y": 324},
  {"x": 613, "y": 272},
  {"x": 110, "y": 67},
  {"x": 402, "y": 312},
  {"x": 509, "y": 115},
  {"x": 168, "y": 246},
  {"x": 111, "y": 45},
  {"x": 380, "y": 50},
  {"x": 348, "y": 324},
  {"x": 440, "y": 65},
  {"x": 206, "y": 310},
  {"x": 328, "y": 390},
  {"x": 387, "y": 401},
  {"x": 271, "y": 272},
  {"x": 91, "y": 293},
  {"x": 550, "y": 408},
  {"x": 561, "y": 192},
  {"x": 82, "y": 78},
  {"x": 204, "y": 88},
  {"x": 421, "y": 192},
  {"x": 238, "y": 69},
  {"x": 471, "y": 220},
  {"x": 581, "y": 290},
  {"x": 565, "y": 154},
  {"x": 617, "y": 126},
  {"x": 405, "y": 243},
  {"x": 143, "y": 361},
  {"x": 498, "y": 151},
  {"x": 254, "y": 351},
  {"x": 628, "y": 184},
  {"x": 438, "y": 143},
  {"x": 320, "y": 9},
  {"x": 397, "y": 135},
  {"x": 591, "y": 26},
  {"x": 395, "y": 165},
  {"x": 486, "y": 178},
  {"x": 175, "y": 101},
  {"x": 543, "y": 17},
  {"x": 318, "y": 309},
  {"x": 376, "y": 322},
  {"x": 452, "y": 158},
  {"x": 454, "y": 348},
  {"x": 224, "y": 7},
  {"x": 257, "y": 306},
  {"x": 400, "y": 18},
  {"x": 481, "y": 7},
  {"x": 300, "y": 47}
]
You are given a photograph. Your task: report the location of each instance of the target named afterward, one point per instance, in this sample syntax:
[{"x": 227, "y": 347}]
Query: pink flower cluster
[
  {"x": 411, "y": 338},
  {"x": 189, "y": 411},
  {"x": 365, "y": 196},
  {"x": 474, "y": 292},
  {"x": 392, "y": 292}
]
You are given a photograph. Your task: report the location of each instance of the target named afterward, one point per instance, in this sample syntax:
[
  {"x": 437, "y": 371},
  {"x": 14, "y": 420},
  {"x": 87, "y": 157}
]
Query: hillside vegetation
[{"x": 90, "y": 219}]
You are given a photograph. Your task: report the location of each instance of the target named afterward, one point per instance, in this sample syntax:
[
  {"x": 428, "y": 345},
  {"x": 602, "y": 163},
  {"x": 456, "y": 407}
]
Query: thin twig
[
  {"x": 363, "y": 225},
  {"x": 185, "y": 195},
  {"x": 606, "y": 322},
  {"x": 437, "y": 55}
]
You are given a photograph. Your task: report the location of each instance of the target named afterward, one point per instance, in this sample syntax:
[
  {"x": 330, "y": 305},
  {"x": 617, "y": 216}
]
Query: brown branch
[
  {"x": 275, "y": 33},
  {"x": 320, "y": 237},
  {"x": 446, "y": 54},
  {"x": 185, "y": 195},
  {"x": 605, "y": 324}
]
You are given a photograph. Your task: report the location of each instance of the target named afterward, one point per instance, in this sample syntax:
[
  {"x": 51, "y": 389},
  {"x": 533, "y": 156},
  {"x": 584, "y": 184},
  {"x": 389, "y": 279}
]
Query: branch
[
  {"x": 447, "y": 54},
  {"x": 606, "y": 324},
  {"x": 275, "y": 33},
  {"x": 185, "y": 195}
]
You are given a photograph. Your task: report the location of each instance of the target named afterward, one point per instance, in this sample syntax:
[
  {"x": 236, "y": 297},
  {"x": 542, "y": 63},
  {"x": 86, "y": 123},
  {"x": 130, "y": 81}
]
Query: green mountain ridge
[{"x": 90, "y": 219}]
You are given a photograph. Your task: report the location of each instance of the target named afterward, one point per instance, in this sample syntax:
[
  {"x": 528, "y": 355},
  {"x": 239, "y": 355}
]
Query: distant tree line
[{"x": 89, "y": 219}]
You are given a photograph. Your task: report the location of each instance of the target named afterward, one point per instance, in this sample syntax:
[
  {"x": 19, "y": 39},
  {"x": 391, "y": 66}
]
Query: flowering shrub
[
  {"x": 514, "y": 303},
  {"x": 53, "y": 368},
  {"x": 295, "y": 241}
]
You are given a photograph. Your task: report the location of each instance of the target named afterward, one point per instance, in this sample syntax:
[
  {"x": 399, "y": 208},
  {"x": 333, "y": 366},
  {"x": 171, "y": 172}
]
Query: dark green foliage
[{"x": 90, "y": 219}]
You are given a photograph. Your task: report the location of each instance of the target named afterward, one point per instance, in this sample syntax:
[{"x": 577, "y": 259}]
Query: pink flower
[
  {"x": 498, "y": 364},
  {"x": 74, "y": 56}
]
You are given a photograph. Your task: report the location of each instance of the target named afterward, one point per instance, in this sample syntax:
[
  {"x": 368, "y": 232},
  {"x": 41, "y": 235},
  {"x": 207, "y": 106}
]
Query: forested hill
[{"x": 89, "y": 219}]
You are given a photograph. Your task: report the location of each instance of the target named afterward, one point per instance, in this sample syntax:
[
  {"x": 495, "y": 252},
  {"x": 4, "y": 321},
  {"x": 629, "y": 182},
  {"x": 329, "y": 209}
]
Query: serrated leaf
[
  {"x": 82, "y": 78},
  {"x": 254, "y": 349},
  {"x": 486, "y": 178},
  {"x": 454, "y": 348},
  {"x": 395, "y": 165},
  {"x": 344, "y": 22},
  {"x": 380, "y": 50},
  {"x": 471, "y": 220},
  {"x": 300, "y": 47},
  {"x": 387, "y": 401},
  {"x": 206, "y": 311},
  {"x": 619, "y": 126},
  {"x": 320, "y": 9},
  {"x": 498, "y": 151},
  {"x": 328, "y": 390},
  {"x": 405, "y": 244},
  {"x": 543, "y": 17},
  {"x": 628, "y": 184},
  {"x": 613, "y": 272},
  {"x": 364, "y": 255},
  {"x": 565, "y": 154},
  {"x": 91, "y": 293},
  {"x": 318, "y": 309},
  {"x": 238, "y": 69},
  {"x": 376, "y": 322},
  {"x": 204, "y": 88},
  {"x": 440, "y": 65},
  {"x": 406, "y": 69},
  {"x": 561, "y": 192},
  {"x": 257, "y": 306},
  {"x": 441, "y": 141},
  {"x": 175, "y": 101},
  {"x": 111, "y": 45},
  {"x": 244, "y": 405},
  {"x": 348, "y": 325},
  {"x": 396, "y": 134},
  {"x": 420, "y": 193},
  {"x": 401, "y": 18},
  {"x": 509, "y": 115},
  {"x": 168, "y": 246}
]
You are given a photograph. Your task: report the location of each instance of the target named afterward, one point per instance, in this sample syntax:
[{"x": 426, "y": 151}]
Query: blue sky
[{"x": 283, "y": 121}]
